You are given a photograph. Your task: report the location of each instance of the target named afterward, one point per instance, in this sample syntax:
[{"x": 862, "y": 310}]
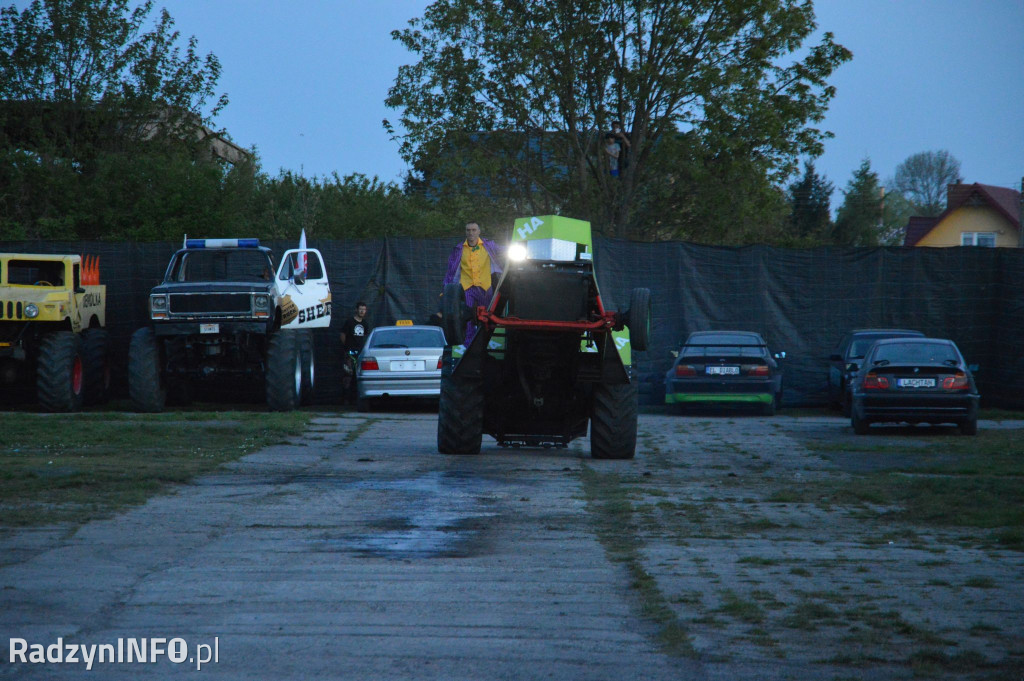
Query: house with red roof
[{"x": 976, "y": 215}]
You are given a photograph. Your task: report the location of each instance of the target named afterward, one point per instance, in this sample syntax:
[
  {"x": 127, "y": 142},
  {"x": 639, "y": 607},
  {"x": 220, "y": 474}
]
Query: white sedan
[{"x": 400, "y": 361}]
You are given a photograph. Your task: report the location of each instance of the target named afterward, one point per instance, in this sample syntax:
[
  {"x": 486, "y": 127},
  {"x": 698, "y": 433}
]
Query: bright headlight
[
  {"x": 517, "y": 252},
  {"x": 31, "y": 311}
]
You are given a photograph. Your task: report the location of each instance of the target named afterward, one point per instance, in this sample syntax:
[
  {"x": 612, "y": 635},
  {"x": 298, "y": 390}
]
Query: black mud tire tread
[
  {"x": 613, "y": 421},
  {"x": 96, "y": 365},
  {"x": 308, "y": 367},
  {"x": 969, "y": 427},
  {"x": 770, "y": 408},
  {"x": 146, "y": 386},
  {"x": 54, "y": 390},
  {"x": 640, "y": 319},
  {"x": 860, "y": 426},
  {"x": 460, "y": 416},
  {"x": 453, "y": 308},
  {"x": 282, "y": 353}
]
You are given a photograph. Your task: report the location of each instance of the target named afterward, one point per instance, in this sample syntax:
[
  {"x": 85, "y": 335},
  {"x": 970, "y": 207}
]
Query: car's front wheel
[
  {"x": 460, "y": 415},
  {"x": 146, "y": 385},
  {"x": 96, "y": 365},
  {"x": 283, "y": 371},
  {"x": 613, "y": 419},
  {"x": 60, "y": 374}
]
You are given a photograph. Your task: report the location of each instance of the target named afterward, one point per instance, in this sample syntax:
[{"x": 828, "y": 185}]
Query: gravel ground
[{"x": 358, "y": 552}]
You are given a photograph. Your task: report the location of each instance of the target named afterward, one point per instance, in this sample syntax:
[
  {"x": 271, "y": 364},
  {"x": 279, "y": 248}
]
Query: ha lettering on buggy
[{"x": 122, "y": 651}]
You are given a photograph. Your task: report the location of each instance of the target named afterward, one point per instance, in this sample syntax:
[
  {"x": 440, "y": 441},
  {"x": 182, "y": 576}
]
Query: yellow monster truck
[{"x": 52, "y": 314}]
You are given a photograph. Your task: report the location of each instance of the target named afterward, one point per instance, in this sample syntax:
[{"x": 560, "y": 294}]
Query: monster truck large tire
[
  {"x": 640, "y": 318},
  {"x": 460, "y": 416},
  {"x": 60, "y": 376},
  {"x": 96, "y": 360},
  {"x": 308, "y": 367},
  {"x": 453, "y": 317},
  {"x": 146, "y": 385},
  {"x": 613, "y": 421},
  {"x": 283, "y": 371}
]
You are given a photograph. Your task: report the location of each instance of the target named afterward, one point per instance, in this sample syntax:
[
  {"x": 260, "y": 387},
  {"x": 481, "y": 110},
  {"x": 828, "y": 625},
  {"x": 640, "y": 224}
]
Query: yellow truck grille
[{"x": 11, "y": 310}]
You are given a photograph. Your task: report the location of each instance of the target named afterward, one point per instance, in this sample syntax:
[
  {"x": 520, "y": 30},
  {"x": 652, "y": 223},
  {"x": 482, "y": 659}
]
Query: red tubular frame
[{"x": 487, "y": 316}]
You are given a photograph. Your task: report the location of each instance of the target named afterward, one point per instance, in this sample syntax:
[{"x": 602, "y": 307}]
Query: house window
[{"x": 987, "y": 239}]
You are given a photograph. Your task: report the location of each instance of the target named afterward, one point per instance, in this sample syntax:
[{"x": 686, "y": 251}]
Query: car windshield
[
  {"x": 737, "y": 345},
  {"x": 407, "y": 338},
  {"x": 861, "y": 345},
  {"x": 915, "y": 353},
  {"x": 35, "y": 272},
  {"x": 241, "y": 264}
]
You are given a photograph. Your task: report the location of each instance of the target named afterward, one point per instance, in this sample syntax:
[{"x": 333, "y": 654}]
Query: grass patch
[
  {"x": 608, "y": 501},
  {"x": 757, "y": 560},
  {"x": 73, "y": 468},
  {"x": 741, "y": 608},
  {"x": 809, "y": 615},
  {"x": 931, "y": 661},
  {"x": 789, "y": 496},
  {"x": 981, "y": 583},
  {"x": 988, "y": 414},
  {"x": 940, "y": 481}
]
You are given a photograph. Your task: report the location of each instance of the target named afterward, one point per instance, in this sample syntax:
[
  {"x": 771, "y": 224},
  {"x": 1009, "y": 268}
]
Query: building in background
[{"x": 976, "y": 215}]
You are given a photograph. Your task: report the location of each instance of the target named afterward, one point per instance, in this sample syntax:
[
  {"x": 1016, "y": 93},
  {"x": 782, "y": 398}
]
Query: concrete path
[
  {"x": 724, "y": 551},
  {"x": 355, "y": 553}
]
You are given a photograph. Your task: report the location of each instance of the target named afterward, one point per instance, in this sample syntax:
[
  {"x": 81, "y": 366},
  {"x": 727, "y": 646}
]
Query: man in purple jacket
[{"x": 476, "y": 265}]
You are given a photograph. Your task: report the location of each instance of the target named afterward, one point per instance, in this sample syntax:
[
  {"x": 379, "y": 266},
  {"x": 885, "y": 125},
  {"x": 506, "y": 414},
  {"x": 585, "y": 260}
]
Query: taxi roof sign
[{"x": 403, "y": 322}]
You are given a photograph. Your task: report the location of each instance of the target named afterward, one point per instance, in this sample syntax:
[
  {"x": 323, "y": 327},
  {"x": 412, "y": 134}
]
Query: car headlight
[
  {"x": 517, "y": 252},
  {"x": 31, "y": 311},
  {"x": 158, "y": 302},
  {"x": 261, "y": 302}
]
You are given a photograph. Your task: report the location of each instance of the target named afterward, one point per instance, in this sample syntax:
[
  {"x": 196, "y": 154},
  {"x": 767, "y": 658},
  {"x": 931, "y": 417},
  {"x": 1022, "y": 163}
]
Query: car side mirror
[
  {"x": 674, "y": 353},
  {"x": 853, "y": 366},
  {"x": 835, "y": 358},
  {"x": 298, "y": 279},
  {"x": 780, "y": 355},
  {"x": 973, "y": 368}
]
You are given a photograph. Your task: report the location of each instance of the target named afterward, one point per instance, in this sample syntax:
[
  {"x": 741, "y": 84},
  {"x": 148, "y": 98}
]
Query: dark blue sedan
[{"x": 914, "y": 380}]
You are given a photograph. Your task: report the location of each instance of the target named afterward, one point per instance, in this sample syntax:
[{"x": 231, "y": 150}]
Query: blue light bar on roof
[{"x": 222, "y": 243}]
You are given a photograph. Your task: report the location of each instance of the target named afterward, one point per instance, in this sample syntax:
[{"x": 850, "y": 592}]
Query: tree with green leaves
[
  {"x": 896, "y": 213},
  {"x": 94, "y": 97},
  {"x": 75, "y": 73},
  {"x": 859, "y": 219},
  {"x": 810, "y": 197},
  {"x": 511, "y": 102},
  {"x": 923, "y": 178}
]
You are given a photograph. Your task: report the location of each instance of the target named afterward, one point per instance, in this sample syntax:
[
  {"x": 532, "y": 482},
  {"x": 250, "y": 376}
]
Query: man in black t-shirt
[
  {"x": 353, "y": 336},
  {"x": 355, "y": 329}
]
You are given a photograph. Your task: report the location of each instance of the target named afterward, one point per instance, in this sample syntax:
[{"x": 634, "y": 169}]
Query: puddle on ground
[{"x": 440, "y": 514}]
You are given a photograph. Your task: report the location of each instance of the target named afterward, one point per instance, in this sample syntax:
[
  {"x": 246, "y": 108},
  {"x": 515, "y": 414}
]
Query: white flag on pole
[{"x": 302, "y": 262}]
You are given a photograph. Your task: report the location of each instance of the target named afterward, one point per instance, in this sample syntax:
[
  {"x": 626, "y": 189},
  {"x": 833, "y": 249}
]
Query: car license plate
[
  {"x": 723, "y": 370},
  {"x": 407, "y": 365},
  {"x": 916, "y": 382},
  {"x": 209, "y": 328}
]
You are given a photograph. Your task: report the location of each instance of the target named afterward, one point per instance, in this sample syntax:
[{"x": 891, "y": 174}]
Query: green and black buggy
[{"x": 547, "y": 357}]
